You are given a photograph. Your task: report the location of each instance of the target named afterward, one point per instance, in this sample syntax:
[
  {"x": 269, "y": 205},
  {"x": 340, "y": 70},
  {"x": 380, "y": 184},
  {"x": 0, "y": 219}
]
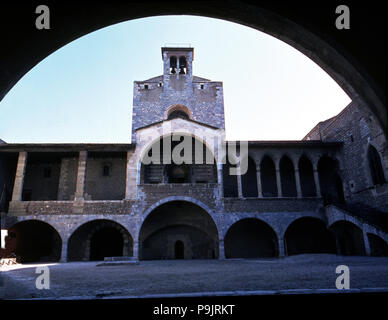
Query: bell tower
[{"x": 178, "y": 62}]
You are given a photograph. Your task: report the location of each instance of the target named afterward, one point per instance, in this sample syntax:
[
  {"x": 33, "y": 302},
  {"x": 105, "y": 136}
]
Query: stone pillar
[
  {"x": 63, "y": 176},
  {"x": 278, "y": 179},
  {"x": 297, "y": 181},
  {"x": 132, "y": 176},
  {"x": 80, "y": 186},
  {"x": 19, "y": 177},
  {"x": 220, "y": 180},
  {"x": 81, "y": 174},
  {"x": 368, "y": 250},
  {"x": 64, "y": 250},
  {"x": 281, "y": 248},
  {"x": 316, "y": 180},
  {"x": 136, "y": 250},
  {"x": 239, "y": 183},
  {"x": 221, "y": 249},
  {"x": 258, "y": 178}
]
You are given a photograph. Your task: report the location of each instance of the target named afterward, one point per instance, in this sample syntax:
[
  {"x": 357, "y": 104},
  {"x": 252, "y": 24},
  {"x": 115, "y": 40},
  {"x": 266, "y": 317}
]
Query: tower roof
[{"x": 178, "y": 49}]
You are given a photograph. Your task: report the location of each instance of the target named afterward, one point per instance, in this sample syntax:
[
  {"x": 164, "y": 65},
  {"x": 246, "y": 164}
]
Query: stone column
[
  {"x": 136, "y": 250},
  {"x": 80, "y": 185},
  {"x": 64, "y": 250},
  {"x": 220, "y": 181},
  {"x": 221, "y": 249},
  {"x": 81, "y": 174},
  {"x": 258, "y": 178},
  {"x": 19, "y": 177},
  {"x": 316, "y": 180},
  {"x": 368, "y": 250},
  {"x": 239, "y": 183},
  {"x": 132, "y": 176},
  {"x": 281, "y": 248},
  {"x": 297, "y": 181},
  {"x": 278, "y": 179}
]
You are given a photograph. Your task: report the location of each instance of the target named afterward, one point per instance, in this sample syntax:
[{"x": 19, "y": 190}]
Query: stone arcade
[{"x": 79, "y": 202}]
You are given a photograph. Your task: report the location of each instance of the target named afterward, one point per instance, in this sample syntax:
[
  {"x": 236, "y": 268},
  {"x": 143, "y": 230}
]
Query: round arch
[
  {"x": 178, "y": 225},
  {"x": 378, "y": 246},
  {"x": 327, "y": 51},
  {"x": 349, "y": 238},
  {"x": 308, "y": 235},
  {"x": 34, "y": 241},
  {"x": 250, "y": 238},
  {"x": 96, "y": 239},
  {"x": 178, "y": 107}
]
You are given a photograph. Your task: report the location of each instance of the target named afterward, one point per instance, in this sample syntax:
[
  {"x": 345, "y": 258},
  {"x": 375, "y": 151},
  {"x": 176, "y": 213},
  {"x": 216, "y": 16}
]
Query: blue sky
[{"x": 83, "y": 91}]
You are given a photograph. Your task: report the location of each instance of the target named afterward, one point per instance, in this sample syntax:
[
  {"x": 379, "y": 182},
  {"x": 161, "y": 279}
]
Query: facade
[{"x": 154, "y": 198}]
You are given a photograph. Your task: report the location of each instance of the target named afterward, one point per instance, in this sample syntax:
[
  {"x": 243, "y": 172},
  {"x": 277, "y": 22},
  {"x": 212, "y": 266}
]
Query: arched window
[
  {"x": 330, "y": 181},
  {"x": 287, "y": 176},
  {"x": 178, "y": 114},
  {"x": 182, "y": 65},
  {"x": 306, "y": 174},
  {"x": 229, "y": 180},
  {"x": 376, "y": 169},
  {"x": 268, "y": 177},
  {"x": 173, "y": 65},
  {"x": 249, "y": 180}
]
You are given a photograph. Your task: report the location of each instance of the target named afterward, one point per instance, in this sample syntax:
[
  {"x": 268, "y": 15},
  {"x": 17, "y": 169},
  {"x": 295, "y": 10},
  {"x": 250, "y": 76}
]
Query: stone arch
[
  {"x": 167, "y": 222},
  {"x": 34, "y": 240},
  {"x": 205, "y": 172},
  {"x": 250, "y": 238},
  {"x": 349, "y": 238},
  {"x": 306, "y": 175},
  {"x": 378, "y": 246},
  {"x": 268, "y": 177},
  {"x": 308, "y": 235},
  {"x": 230, "y": 184},
  {"x": 99, "y": 238},
  {"x": 249, "y": 180},
  {"x": 376, "y": 171},
  {"x": 287, "y": 177},
  {"x": 330, "y": 181},
  {"x": 178, "y": 107}
]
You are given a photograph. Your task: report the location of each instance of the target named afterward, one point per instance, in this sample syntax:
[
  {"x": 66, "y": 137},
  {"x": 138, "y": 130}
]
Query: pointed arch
[
  {"x": 287, "y": 177},
  {"x": 249, "y": 180},
  {"x": 268, "y": 177},
  {"x": 306, "y": 174},
  {"x": 375, "y": 167}
]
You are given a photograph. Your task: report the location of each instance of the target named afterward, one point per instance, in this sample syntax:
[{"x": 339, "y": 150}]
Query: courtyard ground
[{"x": 85, "y": 280}]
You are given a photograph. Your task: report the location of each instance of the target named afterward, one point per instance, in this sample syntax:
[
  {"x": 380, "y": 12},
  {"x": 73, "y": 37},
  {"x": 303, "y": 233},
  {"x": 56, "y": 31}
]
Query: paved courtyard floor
[{"x": 85, "y": 280}]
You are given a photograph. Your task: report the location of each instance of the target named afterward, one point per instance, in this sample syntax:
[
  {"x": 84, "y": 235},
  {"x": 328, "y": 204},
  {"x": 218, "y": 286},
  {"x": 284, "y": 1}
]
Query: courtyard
[{"x": 307, "y": 273}]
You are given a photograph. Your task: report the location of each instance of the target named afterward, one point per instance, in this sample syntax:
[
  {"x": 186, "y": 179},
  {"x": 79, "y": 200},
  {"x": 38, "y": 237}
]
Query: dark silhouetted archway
[
  {"x": 268, "y": 177},
  {"x": 98, "y": 239},
  {"x": 287, "y": 176},
  {"x": 349, "y": 238},
  {"x": 330, "y": 181},
  {"x": 36, "y": 241},
  {"x": 306, "y": 174},
  {"x": 378, "y": 247},
  {"x": 249, "y": 180},
  {"x": 308, "y": 235},
  {"x": 178, "y": 230},
  {"x": 250, "y": 238}
]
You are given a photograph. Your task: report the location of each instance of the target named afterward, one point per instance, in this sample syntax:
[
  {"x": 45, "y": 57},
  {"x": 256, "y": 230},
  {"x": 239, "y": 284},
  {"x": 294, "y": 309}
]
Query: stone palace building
[{"x": 327, "y": 193}]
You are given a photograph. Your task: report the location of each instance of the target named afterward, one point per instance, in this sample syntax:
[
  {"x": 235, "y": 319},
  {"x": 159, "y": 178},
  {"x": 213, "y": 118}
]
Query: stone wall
[{"x": 358, "y": 130}]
